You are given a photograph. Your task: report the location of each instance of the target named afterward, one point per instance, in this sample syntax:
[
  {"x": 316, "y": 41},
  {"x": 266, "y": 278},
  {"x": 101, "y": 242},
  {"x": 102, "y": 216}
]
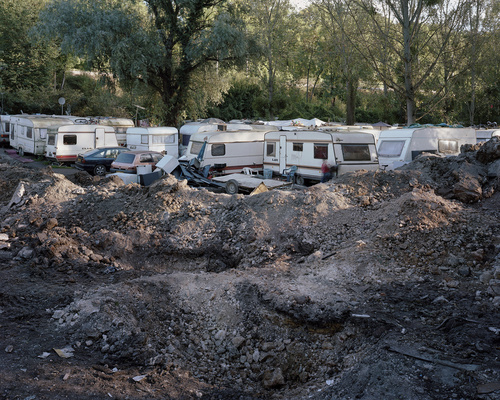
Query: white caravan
[
  {"x": 483, "y": 135},
  {"x": 28, "y": 133},
  {"x": 227, "y": 152},
  {"x": 306, "y": 150},
  {"x": 119, "y": 124},
  {"x": 163, "y": 139},
  {"x": 401, "y": 146},
  {"x": 4, "y": 130},
  {"x": 64, "y": 143}
]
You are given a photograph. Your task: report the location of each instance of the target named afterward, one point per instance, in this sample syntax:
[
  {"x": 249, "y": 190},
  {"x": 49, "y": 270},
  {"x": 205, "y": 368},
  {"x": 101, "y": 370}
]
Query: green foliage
[
  {"x": 238, "y": 102},
  {"x": 163, "y": 44}
]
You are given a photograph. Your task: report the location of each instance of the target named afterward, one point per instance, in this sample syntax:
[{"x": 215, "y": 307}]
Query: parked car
[
  {"x": 98, "y": 161},
  {"x": 128, "y": 161}
]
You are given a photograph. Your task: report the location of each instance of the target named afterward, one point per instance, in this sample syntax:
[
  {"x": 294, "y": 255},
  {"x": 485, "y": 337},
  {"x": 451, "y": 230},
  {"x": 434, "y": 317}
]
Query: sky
[{"x": 300, "y": 3}]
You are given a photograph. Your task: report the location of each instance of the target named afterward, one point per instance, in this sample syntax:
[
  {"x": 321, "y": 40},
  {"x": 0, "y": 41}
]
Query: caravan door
[
  {"x": 100, "y": 138},
  {"x": 282, "y": 154}
]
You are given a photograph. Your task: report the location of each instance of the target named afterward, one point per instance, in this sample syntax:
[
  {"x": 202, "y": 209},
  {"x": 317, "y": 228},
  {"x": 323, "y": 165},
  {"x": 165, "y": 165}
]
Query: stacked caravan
[
  {"x": 401, "y": 146},
  {"x": 306, "y": 150}
]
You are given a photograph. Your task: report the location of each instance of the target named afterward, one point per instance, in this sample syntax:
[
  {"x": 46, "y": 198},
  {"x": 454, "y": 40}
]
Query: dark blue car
[{"x": 98, "y": 161}]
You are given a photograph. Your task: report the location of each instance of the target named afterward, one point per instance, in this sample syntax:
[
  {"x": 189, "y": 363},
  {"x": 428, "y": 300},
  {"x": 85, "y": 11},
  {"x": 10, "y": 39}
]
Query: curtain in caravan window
[
  {"x": 144, "y": 139},
  {"x": 196, "y": 147},
  {"x": 320, "y": 151},
  {"x": 391, "y": 148},
  {"x": 448, "y": 146},
  {"x": 43, "y": 133},
  {"x": 218, "y": 149},
  {"x": 159, "y": 139},
  {"x": 356, "y": 152}
]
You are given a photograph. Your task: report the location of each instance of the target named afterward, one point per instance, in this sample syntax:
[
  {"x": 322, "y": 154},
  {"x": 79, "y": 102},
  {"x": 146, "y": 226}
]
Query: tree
[
  {"x": 419, "y": 35},
  {"x": 24, "y": 62},
  {"x": 163, "y": 44},
  {"x": 272, "y": 25},
  {"x": 339, "y": 27}
]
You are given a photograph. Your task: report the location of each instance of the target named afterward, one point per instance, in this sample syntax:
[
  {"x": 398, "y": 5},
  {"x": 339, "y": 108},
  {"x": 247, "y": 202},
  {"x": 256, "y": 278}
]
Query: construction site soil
[{"x": 375, "y": 285}]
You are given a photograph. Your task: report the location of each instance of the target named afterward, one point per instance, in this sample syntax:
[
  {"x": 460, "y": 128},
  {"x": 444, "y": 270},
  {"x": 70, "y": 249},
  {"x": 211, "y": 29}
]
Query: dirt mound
[{"x": 378, "y": 284}]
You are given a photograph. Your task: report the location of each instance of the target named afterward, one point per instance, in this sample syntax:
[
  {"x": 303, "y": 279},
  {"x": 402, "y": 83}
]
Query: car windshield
[{"x": 126, "y": 158}]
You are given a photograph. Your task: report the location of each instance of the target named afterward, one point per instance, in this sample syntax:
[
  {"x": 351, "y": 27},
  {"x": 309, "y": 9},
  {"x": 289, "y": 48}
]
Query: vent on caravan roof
[{"x": 222, "y": 127}]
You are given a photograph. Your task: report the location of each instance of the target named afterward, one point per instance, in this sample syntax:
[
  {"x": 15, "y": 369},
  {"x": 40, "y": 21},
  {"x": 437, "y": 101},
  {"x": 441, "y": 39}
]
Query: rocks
[{"x": 273, "y": 379}]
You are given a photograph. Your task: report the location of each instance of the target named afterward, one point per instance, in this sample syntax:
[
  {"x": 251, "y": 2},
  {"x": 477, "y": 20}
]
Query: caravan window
[
  {"x": 298, "y": 146},
  {"x": 51, "y": 141},
  {"x": 391, "y": 148},
  {"x": 218, "y": 149},
  {"x": 158, "y": 139},
  {"x": 270, "y": 149},
  {"x": 196, "y": 147},
  {"x": 7, "y": 127},
  {"x": 356, "y": 152},
  {"x": 43, "y": 133},
  {"x": 69, "y": 139},
  {"x": 29, "y": 132},
  {"x": 448, "y": 146},
  {"x": 320, "y": 151},
  {"x": 144, "y": 139}
]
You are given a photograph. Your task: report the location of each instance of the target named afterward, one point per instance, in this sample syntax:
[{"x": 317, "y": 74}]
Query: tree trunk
[{"x": 351, "y": 89}]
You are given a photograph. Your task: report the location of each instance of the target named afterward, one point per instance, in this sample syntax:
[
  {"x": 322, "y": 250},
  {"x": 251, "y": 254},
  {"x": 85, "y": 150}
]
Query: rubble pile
[{"x": 378, "y": 284}]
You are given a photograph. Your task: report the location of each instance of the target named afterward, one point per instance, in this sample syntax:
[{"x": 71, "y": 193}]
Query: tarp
[{"x": 297, "y": 122}]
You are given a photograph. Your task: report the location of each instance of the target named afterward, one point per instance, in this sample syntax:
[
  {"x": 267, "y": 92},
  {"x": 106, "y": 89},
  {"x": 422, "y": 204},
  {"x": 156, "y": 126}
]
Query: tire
[
  {"x": 232, "y": 187},
  {"x": 100, "y": 170},
  {"x": 20, "y": 152},
  {"x": 299, "y": 180}
]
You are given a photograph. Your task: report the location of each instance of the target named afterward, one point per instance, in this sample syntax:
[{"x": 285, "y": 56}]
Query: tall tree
[
  {"x": 419, "y": 36},
  {"x": 272, "y": 26},
  {"x": 339, "y": 26},
  {"x": 24, "y": 62},
  {"x": 161, "y": 43}
]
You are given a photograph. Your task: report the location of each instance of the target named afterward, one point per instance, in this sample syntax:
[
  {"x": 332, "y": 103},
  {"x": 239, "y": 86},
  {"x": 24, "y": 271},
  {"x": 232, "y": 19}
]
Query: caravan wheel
[
  {"x": 299, "y": 180},
  {"x": 20, "y": 151},
  {"x": 232, "y": 187}
]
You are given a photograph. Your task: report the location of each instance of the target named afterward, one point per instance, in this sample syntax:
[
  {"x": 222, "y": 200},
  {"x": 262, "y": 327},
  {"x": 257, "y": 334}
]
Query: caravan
[
  {"x": 119, "y": 124},
  {"x": 64, "y": 143},
  {"x": 483, "y": 135},
  {"x": 401, "y": 146},
  {"x": 163, "y": 139},
  {"x": 28, "y": 133},
  {"x": 227, "y": 152},
  {"x": 306, "y": 150},
  {"x": 4, "y": 130}
]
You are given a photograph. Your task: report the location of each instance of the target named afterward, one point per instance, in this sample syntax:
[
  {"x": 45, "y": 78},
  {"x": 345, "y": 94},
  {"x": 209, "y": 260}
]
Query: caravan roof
[
  {"x": 229, "y": 137},
  {"x": 156, "y": 130},
  {"x": 319, "y": 136}
]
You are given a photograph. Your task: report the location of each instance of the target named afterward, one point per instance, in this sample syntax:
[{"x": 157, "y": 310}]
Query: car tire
[
  {"x": 232, "y": 186},
  {"x": 100, "y": 170}
]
